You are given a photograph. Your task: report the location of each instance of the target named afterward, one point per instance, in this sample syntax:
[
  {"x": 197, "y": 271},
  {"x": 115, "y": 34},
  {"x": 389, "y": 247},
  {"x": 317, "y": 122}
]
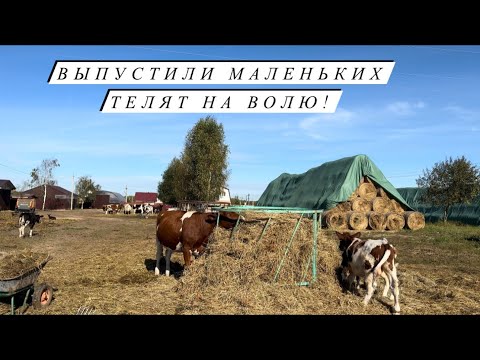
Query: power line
[{"x": 8, "y": 167}]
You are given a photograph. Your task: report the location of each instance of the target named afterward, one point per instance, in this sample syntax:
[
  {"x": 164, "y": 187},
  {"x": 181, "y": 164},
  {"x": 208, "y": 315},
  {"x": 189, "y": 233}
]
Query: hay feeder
[{"x": 271, "y": 211}]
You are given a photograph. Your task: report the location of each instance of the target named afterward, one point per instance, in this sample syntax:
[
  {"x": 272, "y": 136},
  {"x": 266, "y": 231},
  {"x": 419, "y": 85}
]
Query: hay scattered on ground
[
  {"x": 244, "y": 275},
  {"x": 414, "y": 220},
  {"x": 17, "y": 263}
]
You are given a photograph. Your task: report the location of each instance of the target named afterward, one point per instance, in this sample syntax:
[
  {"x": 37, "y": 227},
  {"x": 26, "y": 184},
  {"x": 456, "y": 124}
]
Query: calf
[
  {"x": 187, "y": 232},
  {"x": 368, "y": 259},
  {"x": 27, "y": 219}
]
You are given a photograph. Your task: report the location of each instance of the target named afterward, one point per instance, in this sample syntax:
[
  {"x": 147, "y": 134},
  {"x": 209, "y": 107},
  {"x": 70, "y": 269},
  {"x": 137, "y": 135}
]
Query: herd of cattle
[
  {"x": 144, "y": 209},
  {"x": 189, "y": 231}
]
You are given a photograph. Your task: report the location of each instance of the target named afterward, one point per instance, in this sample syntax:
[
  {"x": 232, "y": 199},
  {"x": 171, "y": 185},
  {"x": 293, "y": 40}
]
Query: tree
[
  {"x": 205, "y": 160},
  {"x": 43, "y": 175},
  {"x": 450, "y": 182},
  {"x": 86, "y": 189},
  {"x": 172, "y": 187}
]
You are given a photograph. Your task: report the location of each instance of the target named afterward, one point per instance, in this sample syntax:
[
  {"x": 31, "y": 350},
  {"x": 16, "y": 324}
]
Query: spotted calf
[{"x": 368, "y": 259}]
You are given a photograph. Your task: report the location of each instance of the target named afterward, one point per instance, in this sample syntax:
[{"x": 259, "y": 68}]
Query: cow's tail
[{"x": 378, "y": 269}]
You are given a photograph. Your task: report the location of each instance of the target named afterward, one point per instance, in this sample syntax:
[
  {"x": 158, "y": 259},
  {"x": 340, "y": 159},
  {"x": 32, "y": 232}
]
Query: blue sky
[{"x": 428, "y": 111}]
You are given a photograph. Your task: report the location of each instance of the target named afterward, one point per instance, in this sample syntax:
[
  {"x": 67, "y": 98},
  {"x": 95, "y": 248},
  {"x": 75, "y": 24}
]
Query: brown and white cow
[
  {"x": 369, "y": 259},
  {"x": 27, "y": 219},
  {"x": 188, "y": 232}
]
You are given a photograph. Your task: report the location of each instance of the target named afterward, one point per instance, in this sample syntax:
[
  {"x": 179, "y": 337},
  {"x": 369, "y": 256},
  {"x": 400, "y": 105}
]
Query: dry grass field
[{"x": 105, "y": 263}]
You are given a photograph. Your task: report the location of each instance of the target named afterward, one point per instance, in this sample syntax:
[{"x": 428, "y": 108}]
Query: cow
[
  {"x": 27, "y": 219},
  {"x": 127, "y": 209},
  {"x": 368, "y": 259},
  {"x": 188, "y": 232}
]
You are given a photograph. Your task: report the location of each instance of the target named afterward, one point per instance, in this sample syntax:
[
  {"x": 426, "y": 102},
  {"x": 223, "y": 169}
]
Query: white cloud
[
  {"x": 404, "y": 108},
  {"x": 462, "y": 113}
]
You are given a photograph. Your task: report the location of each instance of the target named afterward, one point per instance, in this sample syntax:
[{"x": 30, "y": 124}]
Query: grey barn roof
[{"x": 115, "y": 198}]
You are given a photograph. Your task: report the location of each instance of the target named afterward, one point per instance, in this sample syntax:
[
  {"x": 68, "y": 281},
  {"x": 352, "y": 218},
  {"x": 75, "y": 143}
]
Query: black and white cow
[{"x": 27, "y": 219}]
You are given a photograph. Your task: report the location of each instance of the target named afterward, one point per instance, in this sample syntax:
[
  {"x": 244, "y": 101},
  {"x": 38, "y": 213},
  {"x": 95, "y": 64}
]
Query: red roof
[{"x": 145, "y": 197}]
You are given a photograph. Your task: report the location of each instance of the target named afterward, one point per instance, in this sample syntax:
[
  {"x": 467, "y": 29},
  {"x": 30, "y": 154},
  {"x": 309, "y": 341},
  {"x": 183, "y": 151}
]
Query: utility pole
[
  {"x": 71, "y": 195},
  {"x": 126, "y": 194}
]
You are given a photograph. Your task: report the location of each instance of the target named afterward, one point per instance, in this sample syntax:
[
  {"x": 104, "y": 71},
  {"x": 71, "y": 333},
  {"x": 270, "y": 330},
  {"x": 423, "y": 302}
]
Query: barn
[
  {"x": 6, "y": 188},
  {"x": 145, "y": 198},
  {"x": 57, "y": 197},
  {"x": 352, "y": 191}
]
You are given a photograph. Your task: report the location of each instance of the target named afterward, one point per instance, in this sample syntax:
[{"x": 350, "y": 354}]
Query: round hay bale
[
  {"x": 414, "y": 220},
  {"x": 367, "y": 191},
  {"x": 382, "y": 193},
  {"x": 353, "y": 196},
  {"x": 394, "y": 221},
  {"x": 343, "y": 207},
  {"x": 335, "y": 220},
  {"x": 362, "y": 205},
  {"x": 396, "y": 207},
  {"x": 381, "y": 205},
  {"x": 357, "y": 220},
  {"x": 377, "y": 221}
]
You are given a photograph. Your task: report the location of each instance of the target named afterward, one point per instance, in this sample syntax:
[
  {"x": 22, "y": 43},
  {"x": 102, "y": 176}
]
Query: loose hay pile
[
  {"x": 17, "y": 263},
  {"x": 242, "y": 276}
]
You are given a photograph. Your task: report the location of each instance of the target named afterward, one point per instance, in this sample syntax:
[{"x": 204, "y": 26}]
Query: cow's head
[
  {"x": 38, "y": 217},
  {"x": 227, "y": 219},
  {"x": 346, "y": 239}
]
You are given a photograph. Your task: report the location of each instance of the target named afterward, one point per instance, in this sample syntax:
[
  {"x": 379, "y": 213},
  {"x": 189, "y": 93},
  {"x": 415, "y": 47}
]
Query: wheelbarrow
[{"x": 24, "y": 284}]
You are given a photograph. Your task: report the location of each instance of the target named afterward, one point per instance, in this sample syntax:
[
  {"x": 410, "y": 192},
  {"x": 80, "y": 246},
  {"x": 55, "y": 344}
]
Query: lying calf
[{"x": 368, "y": 259}]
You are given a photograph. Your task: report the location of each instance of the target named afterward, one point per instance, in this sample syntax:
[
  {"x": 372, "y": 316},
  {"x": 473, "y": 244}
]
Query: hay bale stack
[
  {"x": 381, "y": 193},
  {"x": 377, "y": 221},
  {"x": 343, "y": 207},
  {"x": 381, "y": 205},
  {"x": 362, "y": 205},
  {"x": 336, "y": 220},
  {"x": 357, "y": 220},
  {"x": 414, "y": 220},
  {"x": 353, "y": 196},
  {"x": 394, "y": 221},
  {"x": 396, "y": 207},
  {"x": 367, "y": 191}
]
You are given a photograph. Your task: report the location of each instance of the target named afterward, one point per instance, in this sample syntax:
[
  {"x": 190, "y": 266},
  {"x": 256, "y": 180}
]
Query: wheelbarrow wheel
[{"x": 42, "y": 296}]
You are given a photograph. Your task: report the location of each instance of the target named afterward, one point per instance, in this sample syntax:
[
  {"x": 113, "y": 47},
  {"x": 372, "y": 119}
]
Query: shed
[
  {"x": 57, "y": 197},
  {"x": 6, "y": 188}
]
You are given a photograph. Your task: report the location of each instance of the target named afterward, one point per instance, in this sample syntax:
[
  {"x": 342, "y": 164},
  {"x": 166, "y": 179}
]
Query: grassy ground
[{"x": 106, "y": 262}]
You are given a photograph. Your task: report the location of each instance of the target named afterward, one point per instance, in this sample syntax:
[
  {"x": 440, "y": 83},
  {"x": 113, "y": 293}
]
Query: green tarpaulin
[
  {"x": 465, "y": 213},
  {"x": 327, "y": 185}
]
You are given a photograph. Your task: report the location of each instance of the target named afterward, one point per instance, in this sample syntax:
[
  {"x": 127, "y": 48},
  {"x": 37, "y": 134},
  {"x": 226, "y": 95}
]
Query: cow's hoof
[
  {"x": 157, "y": 271},
  {"x": 167, "y": 273}
]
